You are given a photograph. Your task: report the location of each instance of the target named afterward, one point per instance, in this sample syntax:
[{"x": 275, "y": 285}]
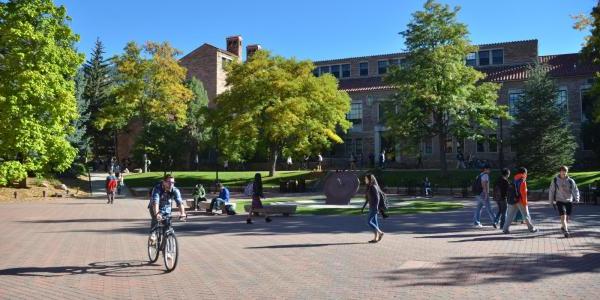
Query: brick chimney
[
  {"x": 234, "y": 45},
  {"x": 250, "y": 49}
]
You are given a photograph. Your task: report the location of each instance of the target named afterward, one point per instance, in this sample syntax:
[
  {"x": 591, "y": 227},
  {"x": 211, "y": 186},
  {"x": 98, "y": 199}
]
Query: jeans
[
  {"x": 372, "y": 221},
  {"x": 216, "y": 203},
  {"x": 512, "y": 211},
  {"x": 501, "y": 216},
  {"x": 483, "y": 201}
]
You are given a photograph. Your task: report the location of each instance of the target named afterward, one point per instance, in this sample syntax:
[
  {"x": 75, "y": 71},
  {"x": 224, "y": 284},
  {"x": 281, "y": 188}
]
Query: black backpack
[
  {"x": 230, "y": 210},
  {"x": 476, "y": 188},
  {"x": 383, "y": 201}
]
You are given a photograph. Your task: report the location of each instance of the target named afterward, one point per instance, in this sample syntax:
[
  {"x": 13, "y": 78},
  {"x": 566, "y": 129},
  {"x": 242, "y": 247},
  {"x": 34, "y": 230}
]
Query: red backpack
[{"x": 111, "y": 185}]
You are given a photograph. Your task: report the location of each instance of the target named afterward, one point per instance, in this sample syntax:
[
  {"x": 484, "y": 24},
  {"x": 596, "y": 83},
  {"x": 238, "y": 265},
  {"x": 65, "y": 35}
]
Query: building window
[
  {"x": 382, "y": 66},
  {"x": 345, "y": 70},
  {"x": 497, "y": 57},
  {"x": 484, "y": 58},
  {"x": 493, "y": 143},
  {"x": 335, "y": 70},
  {"x": 472, "y": 59},
  {"x": 358, "y": 147},
  {"x": 480, "y": 146},
  {"x": 513, "y": 98},
  {"x": 381, "y": 112},
  {"x": 355, "y": 114},
  {"x": 449, "y": 145},
  {"x": 324, "y": 69},
  {"x": 428, "y": 146},
  {"x": 562, "y": 101},
  {"x": 316, "y": 72},
  {"x": 224, "y": 62},
  {"x": 364, "y": 68}
]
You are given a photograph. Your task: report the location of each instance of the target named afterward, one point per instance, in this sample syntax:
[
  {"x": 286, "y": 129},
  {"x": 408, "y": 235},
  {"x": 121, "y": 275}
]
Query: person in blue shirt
[
  {"x": 160, "y": 200},
  {"x": 221, "y": 200}
]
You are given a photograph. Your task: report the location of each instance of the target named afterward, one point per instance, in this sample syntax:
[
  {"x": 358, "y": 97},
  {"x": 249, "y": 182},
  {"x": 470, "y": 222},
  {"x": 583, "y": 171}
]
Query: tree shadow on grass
[
  {"x": 465, "y": 271},
  {"x": 125, "y": 268}
]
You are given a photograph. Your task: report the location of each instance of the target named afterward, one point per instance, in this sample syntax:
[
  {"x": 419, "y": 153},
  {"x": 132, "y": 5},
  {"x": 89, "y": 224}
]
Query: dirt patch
[{"x": 35, "y": 190}]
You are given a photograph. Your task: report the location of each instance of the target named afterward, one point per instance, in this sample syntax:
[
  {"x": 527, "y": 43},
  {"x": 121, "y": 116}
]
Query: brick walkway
[{"x": 86, "y": 249}]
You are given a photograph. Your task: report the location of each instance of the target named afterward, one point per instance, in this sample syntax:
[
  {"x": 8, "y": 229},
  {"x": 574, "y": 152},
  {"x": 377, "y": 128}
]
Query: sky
[{"x": 316, "y": 30}]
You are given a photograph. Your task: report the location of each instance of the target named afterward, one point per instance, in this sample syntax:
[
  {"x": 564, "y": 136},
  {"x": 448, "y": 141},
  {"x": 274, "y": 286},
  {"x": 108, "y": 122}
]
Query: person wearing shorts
[{"x": 562, "y": 193}]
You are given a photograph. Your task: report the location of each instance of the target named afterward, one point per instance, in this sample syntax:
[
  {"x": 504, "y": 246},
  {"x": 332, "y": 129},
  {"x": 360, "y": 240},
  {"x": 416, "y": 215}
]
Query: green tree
[
  {"x": 37, "y": 90},
  {"x": 79, "y": 137},
  {"x": 437, "y": 93},
  {"x": 197, "y": 130},
  {"x": 277, "y": 102},
  {"x": 149, "y": 89},
  {"x": 542, "y": 136},
  {"x": 98, "y": 79}
]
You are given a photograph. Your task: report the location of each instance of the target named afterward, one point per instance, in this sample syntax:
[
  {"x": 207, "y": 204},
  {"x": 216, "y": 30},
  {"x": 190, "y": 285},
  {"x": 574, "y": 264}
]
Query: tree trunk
[
  {"x": 274, "y": 153},
  {"x": 442, "y": 147}
]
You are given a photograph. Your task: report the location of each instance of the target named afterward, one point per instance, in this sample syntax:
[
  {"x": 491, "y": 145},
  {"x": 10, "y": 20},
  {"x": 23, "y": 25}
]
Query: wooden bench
[
  {"x": 205, "y": 205},
  {"x": 286, "y": 209},
  {"x": 140, "y": 191}
]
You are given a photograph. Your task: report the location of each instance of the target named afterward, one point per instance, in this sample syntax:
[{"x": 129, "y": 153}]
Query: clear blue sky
[{"x": 316, "y": 30}]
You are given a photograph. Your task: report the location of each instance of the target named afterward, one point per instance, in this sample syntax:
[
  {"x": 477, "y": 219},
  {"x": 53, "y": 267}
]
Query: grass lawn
[
  {"x": 457, "y": 178},
  {"x": 305, "y": 208},
  {"x": 189, "y": 179}
]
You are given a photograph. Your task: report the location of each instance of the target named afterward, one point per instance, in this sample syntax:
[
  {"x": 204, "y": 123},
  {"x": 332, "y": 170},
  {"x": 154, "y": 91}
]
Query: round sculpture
[{"x": 340, "y": 187}]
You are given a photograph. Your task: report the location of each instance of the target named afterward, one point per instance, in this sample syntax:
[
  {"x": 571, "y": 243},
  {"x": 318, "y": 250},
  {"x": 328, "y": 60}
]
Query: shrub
[{"x": 11, "y": 171}]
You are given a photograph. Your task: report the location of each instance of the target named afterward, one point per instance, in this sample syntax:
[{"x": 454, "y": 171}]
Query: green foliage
[
  {"x": 591, "y": 48},
  {"x": 279, "y": 103},
  {"x": 11, "y": 171},
  {"x": 98, "y": 80},
  {"x": 197, "y": 129},
  {"x": 151, "y": 89},
  {"x": 38, "y": 62},
  {"x": 79, "y": 139},
  {"x": 542, "y": 136},
  {"x": 161, "y": 142},
  {"x": 437, "y": 93}
]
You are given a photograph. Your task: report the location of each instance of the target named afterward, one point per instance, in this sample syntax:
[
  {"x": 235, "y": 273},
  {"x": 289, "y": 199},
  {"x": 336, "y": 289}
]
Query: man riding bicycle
[{"x": 160, "y": 200}]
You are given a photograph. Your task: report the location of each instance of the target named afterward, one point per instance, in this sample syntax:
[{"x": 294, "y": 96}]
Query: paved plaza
[{"x": 86, "y": 249}]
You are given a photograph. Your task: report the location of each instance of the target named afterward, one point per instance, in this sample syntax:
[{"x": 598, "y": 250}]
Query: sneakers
[
  {"x": 567, "y": 234},
  {"x": 153, "y": 239},
  {"x": 248, "y": 221},
  {"x": 478, "y": 226},
  {"x": 534, "y": 230},
  {"x": 495, "y": 225},
  {"x": 505, "y": 231}
]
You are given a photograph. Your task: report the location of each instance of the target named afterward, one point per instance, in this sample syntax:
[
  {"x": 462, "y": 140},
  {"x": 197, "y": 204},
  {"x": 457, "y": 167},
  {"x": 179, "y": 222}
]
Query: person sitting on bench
[
  {"x": 223, "y": 198},
  {"x": 199, "y": 194}
]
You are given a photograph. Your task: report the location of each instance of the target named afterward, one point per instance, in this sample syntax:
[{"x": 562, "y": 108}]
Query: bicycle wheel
[
  {"x": 170, "y": 252},
  {"x": 153, "y": 245}
]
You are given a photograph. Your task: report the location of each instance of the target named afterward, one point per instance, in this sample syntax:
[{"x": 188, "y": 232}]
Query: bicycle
[{"x": 164, "y": 240}]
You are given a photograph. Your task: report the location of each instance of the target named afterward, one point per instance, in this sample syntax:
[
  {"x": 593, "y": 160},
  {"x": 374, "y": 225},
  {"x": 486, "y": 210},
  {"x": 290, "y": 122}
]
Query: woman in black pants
[
  {"x": 257, "y": 194},
  {"x": 373, "y": 196}
]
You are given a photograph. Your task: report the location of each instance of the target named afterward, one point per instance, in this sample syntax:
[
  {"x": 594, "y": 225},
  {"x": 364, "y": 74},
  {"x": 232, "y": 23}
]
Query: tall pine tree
[
  {"x": 98, "y": 79},
  {"x": 79, "y": 138},
  {"x": 541, "y": 135}
]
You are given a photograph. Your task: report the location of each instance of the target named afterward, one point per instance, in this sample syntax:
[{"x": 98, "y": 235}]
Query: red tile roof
[{"x": 563, "y": 65}]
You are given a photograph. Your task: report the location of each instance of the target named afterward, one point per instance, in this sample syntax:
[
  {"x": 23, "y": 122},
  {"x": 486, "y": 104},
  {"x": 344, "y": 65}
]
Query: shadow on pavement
[
  {"x": 126, "y": 268},
  {"x": 301, "y": 245},
  {"x": 465, "y": 271}
]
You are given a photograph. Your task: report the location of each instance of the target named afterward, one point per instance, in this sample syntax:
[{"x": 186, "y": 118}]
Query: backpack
[
  {"x": 111, "y": 185},
  {"x": 513, "y": 194},
  {"x": 383, "y": 201},
  {"x": 229, "y": 209},
  {"x": 556, "y": 186},
  {"x": 476, "y": 188}
]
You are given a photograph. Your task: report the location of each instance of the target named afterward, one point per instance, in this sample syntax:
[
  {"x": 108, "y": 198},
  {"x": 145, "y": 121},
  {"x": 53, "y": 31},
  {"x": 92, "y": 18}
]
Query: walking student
[
  {"x": 481, "y": 189},
  {"x": 257, "y": 194},
  {"x": 517, "y": 201},
  {"x": 500, "y": 193},
  {"x": 372, "y": 197},
  {"x": 111, "y": 187},
  {"x": 562, "y": 193}
]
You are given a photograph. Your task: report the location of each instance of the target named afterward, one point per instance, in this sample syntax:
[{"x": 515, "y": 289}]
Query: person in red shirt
[{"x": 519, "y": 188}]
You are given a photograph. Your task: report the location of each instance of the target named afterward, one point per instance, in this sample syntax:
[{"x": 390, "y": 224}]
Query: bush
[{"x": 11, "y": 171}]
